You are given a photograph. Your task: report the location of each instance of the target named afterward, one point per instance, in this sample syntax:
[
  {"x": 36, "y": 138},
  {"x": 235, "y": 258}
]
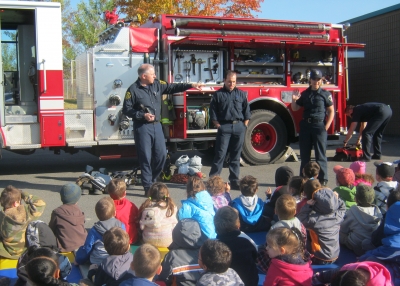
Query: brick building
[{"x": 376, "y": 77}]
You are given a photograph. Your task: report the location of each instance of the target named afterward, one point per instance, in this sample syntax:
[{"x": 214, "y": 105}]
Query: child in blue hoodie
[
  {"x": 250, "y": 207},
  {"x": 199, "y": 206},
  {"x": 93, "y": 249}
]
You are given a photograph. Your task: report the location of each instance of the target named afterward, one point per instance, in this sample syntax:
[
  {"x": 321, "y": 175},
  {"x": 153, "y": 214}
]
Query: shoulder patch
[
  {"x": 128, "y": 95},
  {"x": 330, "y": 98},
  {"x": 163, "y": 82}
]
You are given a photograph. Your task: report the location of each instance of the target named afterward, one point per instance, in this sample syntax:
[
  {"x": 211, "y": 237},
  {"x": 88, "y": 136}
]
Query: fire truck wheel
[{"x": 266, "y": 138}]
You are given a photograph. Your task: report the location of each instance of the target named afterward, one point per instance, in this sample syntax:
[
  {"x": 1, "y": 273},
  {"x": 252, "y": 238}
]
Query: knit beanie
[
  {"x": 345, "y": 176},
  {"x": 70, "y": 194},
  {"x": 365, "y": 195},
  {"x": 358, "y": 167},
  {"x": 283, "y": 175}
]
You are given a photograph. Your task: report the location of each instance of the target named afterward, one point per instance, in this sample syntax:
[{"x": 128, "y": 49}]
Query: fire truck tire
[{"x": 266, "y": 138}]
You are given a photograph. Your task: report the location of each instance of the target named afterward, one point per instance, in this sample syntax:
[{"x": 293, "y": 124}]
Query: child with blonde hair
[
  {"x": 158, "y": 216},
  {"x": 219, "y": 191},
  {"x": 289, "y": 266}
]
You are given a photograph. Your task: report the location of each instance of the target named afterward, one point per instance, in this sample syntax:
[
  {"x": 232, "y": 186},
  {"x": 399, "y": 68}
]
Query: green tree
[{"x": 9, "y": 51}]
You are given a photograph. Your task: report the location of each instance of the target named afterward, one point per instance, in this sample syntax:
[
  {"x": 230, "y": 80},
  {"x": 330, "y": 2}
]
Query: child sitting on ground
[
  {"x": 282, "y": 177},
  {"x": 345, "y": 185},
  {"x": 244, "y": 253},
  {"x": 158, "y": 216},
  {"x": 215, "y": 258},
  {"x": 310, "y": 172},
  {"x": 68, "y": 221},
  {"x": 288, "y": 266},
  {"x": 93, "y": 249},
  {"x": 14, "y": 218},
  {"x": 183, "y": 255},
  {"x": 146, "y": 264},
  {"x": 219, "y": 192},
  {"x": 296, "y": 188},
  {"x": 360, "y": 221},
  {"x": 113, "y": 269},
  {"x": 198, "y": 206},
  {"x": 250, "y": 207},
  {"x": 384, "y": 175},
  {"x": 358, "y": 168},
  {"x": 396, "y": 176},
  {"x": 126, "y": 211},
  {"x": 322, "y": 216}
]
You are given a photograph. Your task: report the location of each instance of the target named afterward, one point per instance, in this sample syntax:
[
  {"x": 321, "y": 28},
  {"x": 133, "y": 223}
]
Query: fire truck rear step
[
  {"x": 82, "y": 144},
  {"x": 21, "y": 147},
  {"x": 116, "y": 142}
]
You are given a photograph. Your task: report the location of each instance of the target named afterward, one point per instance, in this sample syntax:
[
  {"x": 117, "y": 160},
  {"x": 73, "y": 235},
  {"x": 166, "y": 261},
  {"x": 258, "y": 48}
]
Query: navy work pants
[
  {"x": 374, "y": 130},
  {"x": 313, "y": 135},
  {"x": 151, "y": 151},
  {"x": 230, "y": 138}
]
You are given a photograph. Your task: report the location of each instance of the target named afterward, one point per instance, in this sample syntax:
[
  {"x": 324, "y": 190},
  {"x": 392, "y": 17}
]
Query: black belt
[
  {"x": 231, "y": 121},
  {"x": 313, "y": 120}
]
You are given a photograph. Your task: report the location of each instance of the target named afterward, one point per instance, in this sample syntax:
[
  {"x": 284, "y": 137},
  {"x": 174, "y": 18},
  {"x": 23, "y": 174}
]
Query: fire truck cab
[{"x": 271, "y": 58}]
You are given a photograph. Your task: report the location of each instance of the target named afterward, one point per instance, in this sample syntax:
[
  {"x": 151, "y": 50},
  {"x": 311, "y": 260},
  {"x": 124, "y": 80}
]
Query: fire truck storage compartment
[
  {"x": 52, "y": 127},
  {"x": 197, "y": 112},
  {"x": 78, "y": 125},
  {"x": 303, "y": 59},
  {"x": 262, "y": 65},
  {"x": 197, "y": 65}
]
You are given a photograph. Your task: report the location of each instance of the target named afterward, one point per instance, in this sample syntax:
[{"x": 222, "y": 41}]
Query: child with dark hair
[
  {"x": 15, "y": 217},
  {"x": 113, "y": 269},
  {"x": 289, "y": 266},
  {"x": 219, "y": 191},
  {"x": 126, "y": 211},
  {"x": 146, "y": 264},
  {"x": 244, "y": 252},
  {"x": 215, "y": 258},
  {"x": 282, "y": 177},
  {"x": 345, "y": 185},
  {"x": 68, "y": 221},
  {"x": 44, "y": 269},
  {"x": 183, "y": 255},
  {"x": 322, "y": 216},
  {"x": 250, "y": 207},
  {"x": 198, "y": 206},
  {"x": 93, "y": 249},
  {"x": 158, "y": 216},
  {"x": 311, "y": 170},
  {"x": 388, "y": 253},
  {"x": 360, "y": 221},
  {"x": 385, "y": 185},
  {"x": 295, "y": 186}
]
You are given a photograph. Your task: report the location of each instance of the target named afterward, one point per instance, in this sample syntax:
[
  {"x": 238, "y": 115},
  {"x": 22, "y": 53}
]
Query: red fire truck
[{"x": 271, "y": 58}]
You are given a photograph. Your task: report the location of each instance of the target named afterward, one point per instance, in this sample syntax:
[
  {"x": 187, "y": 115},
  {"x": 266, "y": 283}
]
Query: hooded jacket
[
  {"x": 180, "y": 265},
  {"x": 127, "y": 213},
  {"x": 68, "y": 225},
  {"x": 94, "y": 246},
  {"x": 113, "y": 269},
  {"x": 357, "y": 227},
  {"x": 251, "y": 213},
  {"x": 287, "y": 274},
  {"x": 244, "y": 256},
  {"x": 228, "y": 278},
  {"x": 348, "y": 195},
  {"x": 379, "y": 275},
  {"x": 201, "y": 209},
  {"x": 382, "y": 191},
  {"x": 323, "y": 221}
]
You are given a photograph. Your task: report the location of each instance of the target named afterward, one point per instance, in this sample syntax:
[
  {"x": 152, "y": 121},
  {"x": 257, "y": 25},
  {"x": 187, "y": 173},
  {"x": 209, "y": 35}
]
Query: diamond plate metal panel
[
  {"x": 22, "y": 134},
  {"x": 78, "y": 125},
  {"x": 117, "y": 41},
  {"x": 84, "y": 80}
]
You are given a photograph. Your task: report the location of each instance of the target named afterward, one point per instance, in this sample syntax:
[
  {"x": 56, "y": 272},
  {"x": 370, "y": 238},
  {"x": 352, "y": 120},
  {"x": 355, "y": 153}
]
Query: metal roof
[{"x": 373, "y": 14}]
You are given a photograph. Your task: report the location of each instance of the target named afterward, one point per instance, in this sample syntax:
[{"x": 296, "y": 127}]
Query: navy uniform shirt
[
  {"x": 149, "y": 97},
  {"x": 229, "y": 105},
  {"x": 364, "y": 112},
  {"x": 315, "y": 103}
]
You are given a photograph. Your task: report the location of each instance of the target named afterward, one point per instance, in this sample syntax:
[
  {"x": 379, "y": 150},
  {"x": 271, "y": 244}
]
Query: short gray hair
[{"x": 144, "y": 68}]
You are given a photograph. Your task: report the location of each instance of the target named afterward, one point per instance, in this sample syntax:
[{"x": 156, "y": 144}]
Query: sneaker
[
  {"x": 85, "y": 191},
  {"x": 376, "y": 157},
  {"x": 364, "y": 159}
]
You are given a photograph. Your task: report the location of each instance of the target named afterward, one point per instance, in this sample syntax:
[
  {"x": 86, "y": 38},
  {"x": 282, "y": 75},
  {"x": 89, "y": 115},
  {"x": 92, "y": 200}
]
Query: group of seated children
[{"x": 207, "y": 239}]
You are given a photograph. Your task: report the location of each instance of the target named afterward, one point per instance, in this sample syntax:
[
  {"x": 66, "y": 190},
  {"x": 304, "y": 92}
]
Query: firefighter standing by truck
[
  {"x": 317, "y": 118},
  {"x": 230, "y": 113},
  {"x": 143, "y": 104}
]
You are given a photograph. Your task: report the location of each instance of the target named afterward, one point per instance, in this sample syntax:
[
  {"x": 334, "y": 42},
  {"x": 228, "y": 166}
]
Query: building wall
[{"x": 376, "y": 78}]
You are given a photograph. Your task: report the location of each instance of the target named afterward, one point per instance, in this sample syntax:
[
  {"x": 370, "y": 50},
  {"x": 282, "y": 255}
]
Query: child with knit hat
[
  {"x": 358, "y": 168},
  {"x": 360, "y": 221},
  {"x": 385, "y": 185},
  {"x": 68, "y": 221},
  {"x": 345, "y": 185}
]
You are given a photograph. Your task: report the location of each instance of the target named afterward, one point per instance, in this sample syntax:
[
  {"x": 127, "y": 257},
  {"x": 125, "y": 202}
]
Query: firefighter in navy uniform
[
  {"x": 373, "y": 118},
  {"x": 143, "y": 104},
  {"x": 317, "y": 118},
  {"x": 230, "y": 113}
]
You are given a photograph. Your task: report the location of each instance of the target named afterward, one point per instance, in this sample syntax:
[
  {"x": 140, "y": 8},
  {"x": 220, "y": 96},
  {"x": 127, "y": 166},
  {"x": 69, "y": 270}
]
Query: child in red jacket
[{"x": 126, "y": 211}]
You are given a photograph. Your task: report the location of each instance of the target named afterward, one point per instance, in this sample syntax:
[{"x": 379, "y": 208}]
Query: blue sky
[{"x": 333, "y": 11}]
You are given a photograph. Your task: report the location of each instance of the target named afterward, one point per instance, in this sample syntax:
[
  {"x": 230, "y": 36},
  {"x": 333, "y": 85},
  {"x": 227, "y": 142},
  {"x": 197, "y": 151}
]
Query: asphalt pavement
[{"x": 43, "y": 173}]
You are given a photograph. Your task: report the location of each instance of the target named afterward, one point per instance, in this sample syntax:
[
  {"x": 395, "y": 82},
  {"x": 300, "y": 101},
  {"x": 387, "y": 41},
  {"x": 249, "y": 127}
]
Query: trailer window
[{"x": 9, "y": 55}]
